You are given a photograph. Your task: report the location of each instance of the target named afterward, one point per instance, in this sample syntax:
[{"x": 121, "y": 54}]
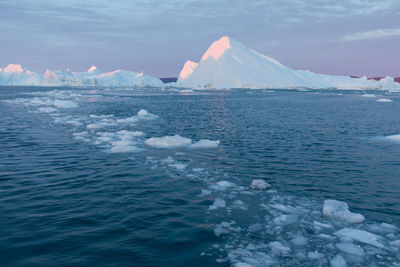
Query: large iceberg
[
  {"x": 228, "y": 63},
  {"x": 15, "y": 74}
]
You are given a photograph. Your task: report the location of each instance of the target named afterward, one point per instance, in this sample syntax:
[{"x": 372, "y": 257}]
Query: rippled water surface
[{"x": 79, "y": 185}]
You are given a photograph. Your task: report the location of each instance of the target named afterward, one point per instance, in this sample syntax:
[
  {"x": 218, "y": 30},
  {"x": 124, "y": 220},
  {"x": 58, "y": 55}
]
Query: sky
[{"x": 351, "y": 37}]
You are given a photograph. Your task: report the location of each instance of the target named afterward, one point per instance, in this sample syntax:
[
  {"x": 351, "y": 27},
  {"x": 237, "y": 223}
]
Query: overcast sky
[{"x": 357, "y": 37}]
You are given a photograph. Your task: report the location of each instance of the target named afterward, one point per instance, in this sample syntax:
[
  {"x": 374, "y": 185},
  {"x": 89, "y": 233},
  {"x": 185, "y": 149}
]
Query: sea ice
[
  {"x": 144, "y": 115},
  {"x": 278, "y": 248},
  {"x": 360, "y": 236},
  {"x": 384, "y": 100},
  {"x": 174, "y": 141},
  {"x": 314, "y": 255},
  {"x": 65, "y": 104},
  {"x": 339, "y": 210},
  {"x": 218, "y": 203},
  {"x": 259, "y": 184},
  {"x": 368, "y": 95},
  {"x": 351, "y": 249},
  {"x": 204, "y": 143},
  {"x": 338, "y": 261}
]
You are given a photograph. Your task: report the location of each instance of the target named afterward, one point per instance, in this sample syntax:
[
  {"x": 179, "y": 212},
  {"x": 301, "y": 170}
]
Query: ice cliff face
[
  {"x": 17, "y": 75},
  {"x": 228, "y": 63}
]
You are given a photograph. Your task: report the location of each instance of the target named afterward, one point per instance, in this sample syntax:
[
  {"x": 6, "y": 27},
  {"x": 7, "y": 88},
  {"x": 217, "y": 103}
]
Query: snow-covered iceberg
[
  {"x": 15, "y": 74},
  {"x": 228, "y": 63}
]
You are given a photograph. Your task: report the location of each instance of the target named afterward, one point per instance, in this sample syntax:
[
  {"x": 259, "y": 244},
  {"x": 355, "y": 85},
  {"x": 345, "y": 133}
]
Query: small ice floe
[
  {"x": 393, "y": 138},
  {"x": 351, "y": 248},
  {"x": 314, "y": 255},
  {"x": 259, "y": 184},
  {"x": 130, "y": 120},
  {"x": 222, "y": 185},
  {"x": 47, "y": 110},
  {"x": 368, "y": 95},
  {"x": 65, "y": 104},
  {"x": 243, "y": 264},
  {"x": 124, "y": 147},
  {"x": 104, "y": 123},
  {"x": 359, "y": 236},
  {"x": 174, "y": 141},
  {"x": 278, "y": 248},
  {"x": 338, "y": 261},
  {"x": 226, "y": 228},
  {"x": 218, "y": 203},
  {"x": 178, "y": 166},
  {"x": 145, "y": 115},
  {"x": 204, "y": 143},
  {"x": 387, "y": 100},
  {"x": 299, "y": 240},
  {"x": 126, "y": 134},
  {"x": 339, "y": 210}
]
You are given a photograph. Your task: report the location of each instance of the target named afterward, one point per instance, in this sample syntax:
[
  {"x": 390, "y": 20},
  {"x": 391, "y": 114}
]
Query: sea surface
[{"x": 81, "y": 186}]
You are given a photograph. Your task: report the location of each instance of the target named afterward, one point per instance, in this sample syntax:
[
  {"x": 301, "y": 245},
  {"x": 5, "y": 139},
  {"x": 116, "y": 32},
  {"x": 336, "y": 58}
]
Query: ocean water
[{"x": 80, "y": 184}]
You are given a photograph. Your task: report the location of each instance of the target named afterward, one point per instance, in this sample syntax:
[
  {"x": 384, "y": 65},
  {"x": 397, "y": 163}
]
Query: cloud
[{"x": 375, "y": 34}]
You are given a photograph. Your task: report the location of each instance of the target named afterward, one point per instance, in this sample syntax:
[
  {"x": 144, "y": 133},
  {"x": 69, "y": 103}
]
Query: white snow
[
  {"x": 204, "y": 143},
  {"x": 174, "y": 141},
  {"x": 228, "y": 63},
  {"x": 259, "y": 184},
  {"x": 339, "y": 210}
]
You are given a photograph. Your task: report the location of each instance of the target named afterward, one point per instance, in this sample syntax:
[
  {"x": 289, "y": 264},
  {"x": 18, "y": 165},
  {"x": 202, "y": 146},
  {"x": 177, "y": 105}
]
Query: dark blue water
[{"x": 67, "y": 199}]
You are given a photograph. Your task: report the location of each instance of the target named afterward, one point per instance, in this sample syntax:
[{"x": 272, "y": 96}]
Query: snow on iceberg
[
  {"x": 174, "y": 141},
  {"x": 15, "y": 74},
  {"x": 204, "y": 143},
  {"x": 339, "y": 210},
  {"x": 228, "y": 63}
]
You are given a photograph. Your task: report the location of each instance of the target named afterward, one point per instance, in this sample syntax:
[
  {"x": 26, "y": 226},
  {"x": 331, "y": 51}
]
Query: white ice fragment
[
  {"x": 132, "y": 119},
  {"x": 204, "y": 143},
  {"x": 178, "y": 166},
  {"x": 257, "y": 227},
  {"x": 243, "y": 264},
  {"x": 278, "y": 248},
  {"x": 384, "y": 100},
  {"x": 174, "y": 141},
  {"x": 314, "y": 255},
  {"x": 339, "y": 210},
  {"x": 47, "y": 110},
  {"x": 145, "y": 115},
  {"x": 285, "y": 219},
  {"x": 205, "y": 192},
  {"x": 259, "y": 184},
  {"x": 338, "y": 261},
  {"x": 218, "y": 203},
  {"x": 350, "y": 248},
  {"x": 299, "y": 240},
  {"x": 368, "y": 95},
  {"x": 360, "y": 236},
  {"x": 130, "y": 133},
  {"x": 222, "y": 185},
  {"x": 65, "y": 104}
]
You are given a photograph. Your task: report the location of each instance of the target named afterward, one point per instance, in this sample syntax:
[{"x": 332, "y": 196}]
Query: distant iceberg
[
  {"x": 228, "y": 63},
  {"x": 15, "y": 74}
]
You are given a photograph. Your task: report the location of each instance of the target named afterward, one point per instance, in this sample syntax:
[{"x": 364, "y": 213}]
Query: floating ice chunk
[
  {"x": 360, "y": 236},
  {"x": 205, "y": 192},
  {"x": 383, "y": 228},
  {"x": 47, "y": 110},
  {"x": 168, "y": 160},
  {"x": 257, "y": 227},
  {"x": 394, "y": 138},
  {"x": 285, "y": 219},
  {"x": 321, "y": 225},
  {"x": 125, "y": 149},
  {"x": 368, "y": 95},
  {"x": 338, "y": 261},
  {"x": 283, "y": 208},
  {"x": 168, "y": 141},
  {"x": 129, "y": 133},
  {"x": 178, "y": 166},
  {"x": 65, "y": 104},
  {"x": 259, "y": 184},
  {"x": 132, "y": 119},
  {"x": 351, "y": 249},
  {"x": 144, "y": 115},
  {"x": 204, "y": 143},
  {"x": 82, "y": 136},
  {"x": 278, "y": 248},
  {"x": 339, "y": 210},
  {"x": 314, "y": 255},
  {"x": 243, "y": 264},
  {"x": 218, "y": 203},
  {"x": 222, "y": 185},
  {"x": 299, "y": 240},
  {"x": 387, "y": 100}
]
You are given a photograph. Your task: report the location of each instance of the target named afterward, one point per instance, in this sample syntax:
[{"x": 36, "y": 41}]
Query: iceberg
[
  {"x": 227, "y": 63},
  {"x": 15, "y": 74},
  {"x": 339, "y": 210}
]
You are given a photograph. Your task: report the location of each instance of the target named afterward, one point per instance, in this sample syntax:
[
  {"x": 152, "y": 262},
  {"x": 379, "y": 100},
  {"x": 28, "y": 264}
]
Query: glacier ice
[
  {"x": 227, "y": 63},
  {"x": 15, "y": 74}
]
